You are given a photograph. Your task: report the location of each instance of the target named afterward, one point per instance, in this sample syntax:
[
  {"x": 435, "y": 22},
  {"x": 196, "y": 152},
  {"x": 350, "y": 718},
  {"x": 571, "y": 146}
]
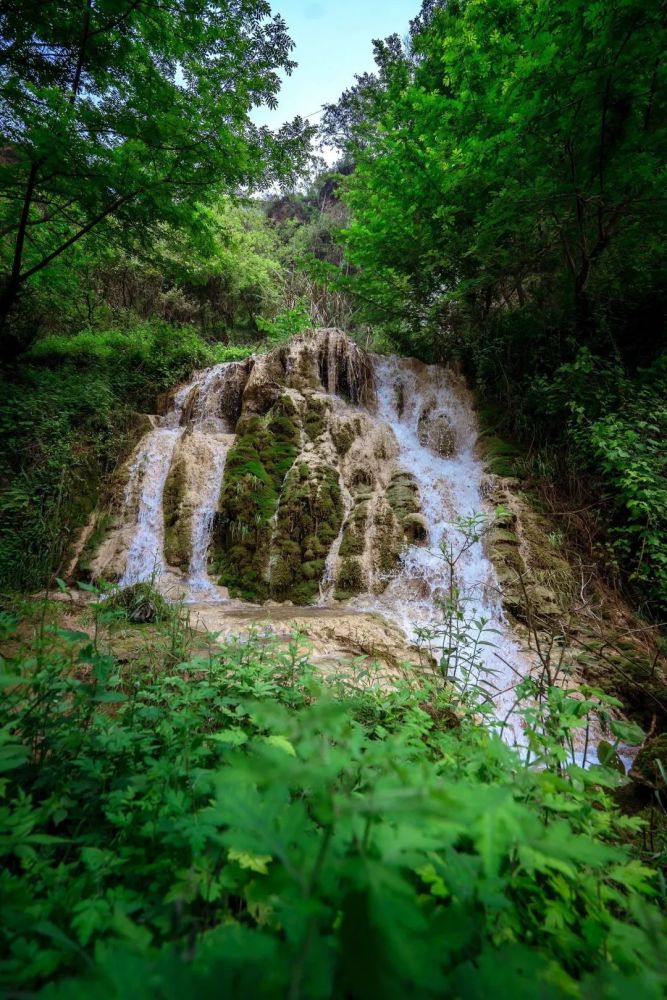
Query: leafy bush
[
  {"x": 616, "y": 426},
  {"x": 285, "y": 324},
  {"x": 162, "y": 353},
  {"x": 139, "y": 603},
  {"x": 232, "y": 826}
]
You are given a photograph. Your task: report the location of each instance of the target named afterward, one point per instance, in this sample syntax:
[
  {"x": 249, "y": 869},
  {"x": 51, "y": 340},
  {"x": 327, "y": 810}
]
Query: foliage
[
  {"x": 508, "y": 210},
  {"x": 230, "y": 821},
  {"x": 617, "y": 426},
  {"x": 286, "y": 324},
  {"x": 120, "y": 117},
  {"x": 139, "y": 603}
]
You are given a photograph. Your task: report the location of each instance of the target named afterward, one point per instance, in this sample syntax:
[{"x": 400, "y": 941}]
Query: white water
[
  {"x": 449, "y": 489},
  {"x": 328, "y": 582},
  {"x": 149, "y": 471},
  {"x": 148, "y": 474},
  {"x": 199, "y": 585}
]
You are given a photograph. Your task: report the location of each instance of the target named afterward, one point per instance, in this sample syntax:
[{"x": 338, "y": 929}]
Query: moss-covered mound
[
  {"x": 350, "y": 578},
  {"x": 256, "y": 467},
  {"x": 354, "y": 535},
  {"x": 177, "y": 544},
  {"x": 310, "y": 514}
]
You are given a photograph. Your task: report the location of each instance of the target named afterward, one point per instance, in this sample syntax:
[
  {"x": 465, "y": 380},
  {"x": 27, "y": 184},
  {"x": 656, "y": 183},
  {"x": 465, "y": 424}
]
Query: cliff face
[{"x": 280, "y": 468}]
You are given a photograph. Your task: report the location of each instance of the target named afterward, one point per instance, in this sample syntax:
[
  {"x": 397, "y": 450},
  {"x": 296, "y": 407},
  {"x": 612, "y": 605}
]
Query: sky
[{"x": 333, "y": 41}]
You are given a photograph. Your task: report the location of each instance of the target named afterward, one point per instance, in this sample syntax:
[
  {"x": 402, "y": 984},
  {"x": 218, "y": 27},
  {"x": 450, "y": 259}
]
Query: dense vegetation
[
  {"x": 180, "y": 816},
  {"x": 204, "y": 818},
  {"x": 508, "y": 207}
]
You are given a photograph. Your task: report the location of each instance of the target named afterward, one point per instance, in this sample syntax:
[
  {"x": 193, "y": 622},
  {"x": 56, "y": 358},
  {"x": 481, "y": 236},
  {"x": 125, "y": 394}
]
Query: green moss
[
  {"x": 308, "y": 520},
  {"x": 314, "y": 422},
  {"x": 502, "y": 536},
  {"x": 500, "y": 456},
  {"x": 343, "y": 435},
  {"x": 177, "y": 538},
  {"x": 403, "y": 495},
  {"x": 354, "y": 534},
  {"x": 255, "y": 470},
  {"x": 349, "y": 579},
  {"x": 362, "y": 478},
  {"x": 103, "y": 522},
  {"x": 387, "y": 545}
]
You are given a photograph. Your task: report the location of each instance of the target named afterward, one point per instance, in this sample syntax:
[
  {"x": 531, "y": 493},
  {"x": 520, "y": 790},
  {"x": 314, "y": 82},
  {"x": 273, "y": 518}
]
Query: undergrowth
[{"x": 229, "y": 823}]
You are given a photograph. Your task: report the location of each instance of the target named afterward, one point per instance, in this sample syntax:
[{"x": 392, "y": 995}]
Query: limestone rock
[{"x": 435, "y": 431}]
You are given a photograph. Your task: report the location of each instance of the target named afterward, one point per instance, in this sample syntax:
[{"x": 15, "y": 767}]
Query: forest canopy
[{"x": 120, "y": 117}]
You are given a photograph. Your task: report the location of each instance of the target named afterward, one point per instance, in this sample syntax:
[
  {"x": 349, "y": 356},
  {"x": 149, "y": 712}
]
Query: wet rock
[
  {"x": 435, "y": 431},
  {"x": 264, "y": 385},
  {"x": 415, "y": 529},
  {"x": 350, "y": 578},
  {"x": 650, "y": 764}
]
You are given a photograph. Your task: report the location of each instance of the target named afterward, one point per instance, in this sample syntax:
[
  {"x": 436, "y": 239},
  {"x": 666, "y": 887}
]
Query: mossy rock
[
  {"x": 415, "y": 529},
  {"x": 355, "y": 531},
  {"x": 502, "y": 536},
  {"x": 177, "y": 538},
  {"x": 103, "y": 523},
  {"x": 349, "y": 579},
  {"x": 343, "y": 436},
  {"x": 255, "y": 470},
  {"x": 313, "y": 570},
  {"x": 650, "y": 764},
  {"x": 362, "y": 478},
  {"x": 388, "y": 542},
  {"x": 436, "y": 432},
  {"x": 308, "y": 519},
  {"x": 399, "y": 397},
  {"x": 500, "y": 456},
  {"x": 315, "y": 422},
  {"x": 403, "y": 495}
]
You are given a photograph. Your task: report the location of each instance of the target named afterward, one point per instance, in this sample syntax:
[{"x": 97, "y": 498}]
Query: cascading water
[
  {"x": 197, "y": 423},
  {"x": 199, "y": 585},
  {"x": 148, "y": 474},
  {"x": 411, "y": 424},
  {"x": 430, "y": 412},
  {"x": 400, "y": 439},
  {"x": 145, "y": 488}
]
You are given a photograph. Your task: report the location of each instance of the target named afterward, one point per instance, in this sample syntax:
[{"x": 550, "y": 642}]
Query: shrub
[
  {"x": 139, "y": 603},
  {"x": 230, "y": 825}
]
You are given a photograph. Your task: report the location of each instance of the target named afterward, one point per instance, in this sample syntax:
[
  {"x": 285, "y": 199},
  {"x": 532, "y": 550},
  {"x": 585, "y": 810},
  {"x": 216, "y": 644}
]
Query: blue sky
[{"x": 333, "y": 42}]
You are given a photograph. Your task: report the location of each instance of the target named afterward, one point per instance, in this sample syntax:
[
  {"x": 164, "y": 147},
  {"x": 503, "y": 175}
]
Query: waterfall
[
  {"x": 431, "y": 414},
  {"x": 401, "y": 437},
  {"x": 196, "y": 430},
  {"x": 199, "y": 585},
  {"x": 148, "y": 474}
]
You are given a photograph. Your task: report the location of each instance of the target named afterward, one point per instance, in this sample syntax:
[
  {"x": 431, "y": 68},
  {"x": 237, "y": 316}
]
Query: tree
[
  {"x": 526, "y": 147},
  {"x": 120, "y": 114}
]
